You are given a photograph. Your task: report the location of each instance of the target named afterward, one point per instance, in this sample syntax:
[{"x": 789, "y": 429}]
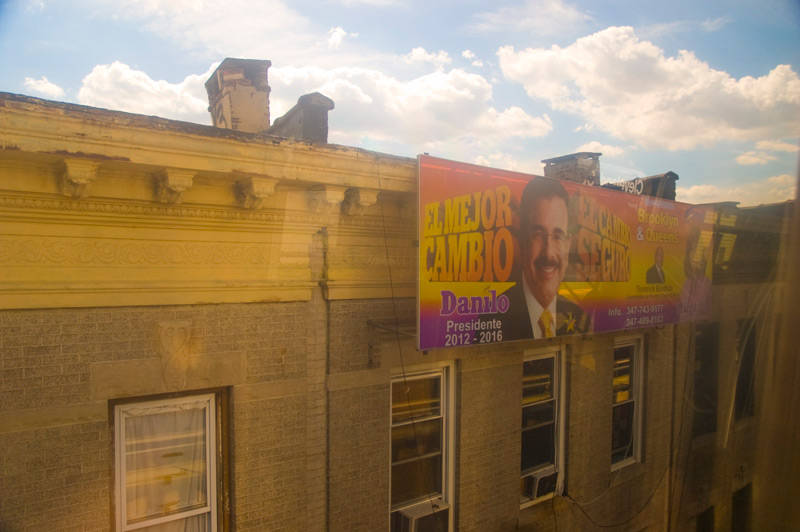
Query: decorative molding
[
  {"x": 172, "y": 183},
  {"x": 401, "y": 262},
  {"x": 291, "y": 219},
  {"x": 80, "y": 252},
  {"x": 252, "y": 192},
  {"x": 76, "y": 177},
  {"x": 325, "y": 199},
  {"x": 357, "y": 200},
  {"x": 173, "y": 340},
  {"x": 360, "y": 289}
]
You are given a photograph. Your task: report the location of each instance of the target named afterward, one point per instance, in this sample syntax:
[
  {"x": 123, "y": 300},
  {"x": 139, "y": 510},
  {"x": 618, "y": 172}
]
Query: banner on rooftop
[{"x": 510, "y": 256}]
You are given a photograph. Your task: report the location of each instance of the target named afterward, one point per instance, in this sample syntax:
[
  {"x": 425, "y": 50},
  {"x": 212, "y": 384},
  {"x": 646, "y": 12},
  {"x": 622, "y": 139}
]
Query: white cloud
[
  {"x": 503, "y": 160},
  {"x": 44, "y": 87},
  {"x": 336, "y": 36},
  {"x": 544, "y": 17},
  {"x": 777, "y": 145},
  {"x": 118, "y": 86},
  {"x": 212, "y": 30},
  {"x": 754, "y": 157},
  {"x": 420, "y": 55},
  {"x": 440, "y": 108},
  {"x": 772, "y": 190},
  {"x": 630, "y": 89},
  {"x": 683, "y": 26},
  {"x": 468, "y": 54},
  {"x": 606, "y": 149},
  {"x": 715, "y": 24}
]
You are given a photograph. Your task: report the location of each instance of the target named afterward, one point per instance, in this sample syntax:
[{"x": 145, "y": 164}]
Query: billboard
[{"x": 509, "y": 256}]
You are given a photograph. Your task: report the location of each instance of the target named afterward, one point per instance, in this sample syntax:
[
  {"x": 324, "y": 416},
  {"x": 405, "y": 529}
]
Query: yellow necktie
[{"x": 545, "y": 323}]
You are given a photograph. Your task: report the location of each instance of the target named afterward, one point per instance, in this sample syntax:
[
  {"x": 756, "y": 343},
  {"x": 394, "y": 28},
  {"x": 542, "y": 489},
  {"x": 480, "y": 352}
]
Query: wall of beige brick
[
  {"x": 635, "y": 496},
  {"x": 55, "y": 479},
  {"x": 359, "y": 457},
  {"x": 350, "y": 334},
  {"x": 55, "y": 432},
  {"x": 489, "y": 438}
]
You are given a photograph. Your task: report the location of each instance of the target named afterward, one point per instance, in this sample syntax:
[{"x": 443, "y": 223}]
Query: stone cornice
[{"x": 37, "y": 126}]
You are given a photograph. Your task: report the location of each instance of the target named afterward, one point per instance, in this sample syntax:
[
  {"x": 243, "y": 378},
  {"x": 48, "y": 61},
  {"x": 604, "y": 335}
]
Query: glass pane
[
  {"x": 622, "y": 432},
  {"x": 196, "y": 523},
  {"x": 538, "y": 414},
  {"x": 537, "y": 380},
  {"x": 538, "y": 447},
  {"x": 421, "y": 400},
  {"x": 165, "y": 461},
  {"x": 623, "y": 373},
  {"x": 428, "y": 438},
  {"x": 416, "y": 480}
]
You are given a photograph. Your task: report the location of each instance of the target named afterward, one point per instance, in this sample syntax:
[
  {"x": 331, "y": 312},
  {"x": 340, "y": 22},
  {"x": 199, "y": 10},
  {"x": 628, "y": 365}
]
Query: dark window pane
[
  {"x": 538, "y": 414},
  {"x": 416, "y": 480},
  {"x": 622, "y": 432},
  {"x": 705, "y": 379},
  {"x": 744, "y": 404},
  {"x": 537, "y": 380},
  {"x": 705, "y": 521},
  {"x": 428, "y": 440},
  {"x": 538, "y": 447},
  {"x": 741, "y": 519}
]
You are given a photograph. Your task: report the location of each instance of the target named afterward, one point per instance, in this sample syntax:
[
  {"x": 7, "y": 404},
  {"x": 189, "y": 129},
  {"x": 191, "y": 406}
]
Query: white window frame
[
  {"x": 125, "y": 411},
  {"x": 638, "y": 399},
  {"x": 447, "y": 394},
  {"x": 559, "y": 370}
]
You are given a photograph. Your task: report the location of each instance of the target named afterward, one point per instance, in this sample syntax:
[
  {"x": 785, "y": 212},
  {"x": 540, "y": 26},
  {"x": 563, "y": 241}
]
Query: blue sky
[{"x": 709, "y": 90}]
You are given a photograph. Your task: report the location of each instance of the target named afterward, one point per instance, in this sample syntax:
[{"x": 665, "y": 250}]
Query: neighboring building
[
  {"x": 657, "y": 186},
  {"x": 214, "y": 326}
]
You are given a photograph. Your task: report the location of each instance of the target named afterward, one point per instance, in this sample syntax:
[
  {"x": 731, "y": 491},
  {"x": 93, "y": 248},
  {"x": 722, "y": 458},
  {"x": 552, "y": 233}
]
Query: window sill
[{"x": 527, "y": 503}]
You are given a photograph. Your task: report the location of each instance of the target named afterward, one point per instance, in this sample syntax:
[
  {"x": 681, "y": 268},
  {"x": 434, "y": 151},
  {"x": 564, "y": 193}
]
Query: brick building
[{"x": 245, "y": 293}]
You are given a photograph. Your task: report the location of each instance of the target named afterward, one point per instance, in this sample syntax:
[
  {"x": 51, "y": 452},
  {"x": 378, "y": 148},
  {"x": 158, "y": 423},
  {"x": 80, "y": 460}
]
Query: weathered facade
[{"x": 147, "y": 261}]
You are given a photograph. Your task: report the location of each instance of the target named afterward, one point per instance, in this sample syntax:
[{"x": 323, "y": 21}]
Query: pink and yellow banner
[{"x": 510, "y": 256}]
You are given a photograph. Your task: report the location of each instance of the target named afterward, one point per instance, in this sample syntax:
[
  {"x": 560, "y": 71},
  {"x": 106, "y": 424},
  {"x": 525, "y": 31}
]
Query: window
[
  {"x": 704, "y": 521},
  {"x": 627, "y": 404},
  {"x": 420, "y": 443},
  {"x": 744, "y": 404},
  {"x": 540, "y": 462},
  {"x": 741, "y": 506},
  {"x": 705, "y": 379},
  {"x": 165, "y": 467}
]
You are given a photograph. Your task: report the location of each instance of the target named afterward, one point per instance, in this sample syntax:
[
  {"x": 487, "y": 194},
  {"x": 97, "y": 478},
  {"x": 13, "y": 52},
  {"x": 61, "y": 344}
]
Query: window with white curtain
[{"x": 165, "y": 465}]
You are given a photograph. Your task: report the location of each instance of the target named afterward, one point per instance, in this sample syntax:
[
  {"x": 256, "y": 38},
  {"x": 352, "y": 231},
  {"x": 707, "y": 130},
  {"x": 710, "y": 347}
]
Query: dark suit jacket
[
  {"x": 570, "y": 318},
  {"x": 654, "y": 276}
]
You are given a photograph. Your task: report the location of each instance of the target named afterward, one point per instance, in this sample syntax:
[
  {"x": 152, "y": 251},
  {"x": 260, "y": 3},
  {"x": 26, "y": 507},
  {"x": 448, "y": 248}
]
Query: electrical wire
[{"x": 433, "y": 505}]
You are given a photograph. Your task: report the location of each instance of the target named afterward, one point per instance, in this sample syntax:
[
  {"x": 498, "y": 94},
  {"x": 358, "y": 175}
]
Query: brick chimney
[
  {"x": 238, "y": 95},
  {"x": 582, "y": 167}
]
